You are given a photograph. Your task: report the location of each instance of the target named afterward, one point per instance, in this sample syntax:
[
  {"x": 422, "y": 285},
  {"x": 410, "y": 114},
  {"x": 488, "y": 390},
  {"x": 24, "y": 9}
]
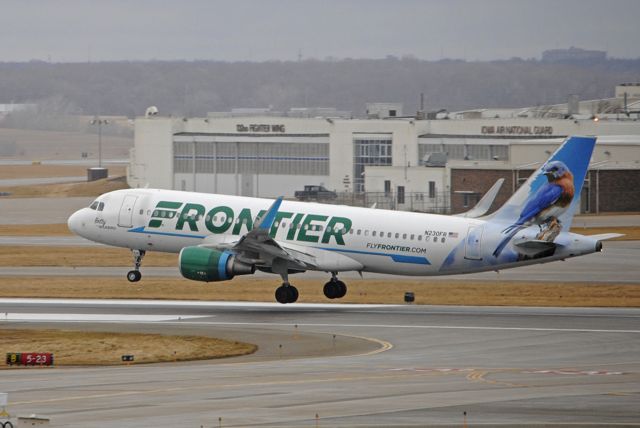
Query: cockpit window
[
  {"x": 100, "y": 206},
  {"x": 94, "y": 205}
]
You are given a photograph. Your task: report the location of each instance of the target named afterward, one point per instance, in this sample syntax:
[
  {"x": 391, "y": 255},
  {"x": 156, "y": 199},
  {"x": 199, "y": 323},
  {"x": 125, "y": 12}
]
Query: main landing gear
[
  {"x": 286, "y": 293},
  {"x": 335, "y": 289},
  {"x": 135, "y": 275}
]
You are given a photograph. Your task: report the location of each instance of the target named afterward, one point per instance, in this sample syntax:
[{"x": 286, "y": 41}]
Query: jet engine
[{"x": 205, "y": 264}]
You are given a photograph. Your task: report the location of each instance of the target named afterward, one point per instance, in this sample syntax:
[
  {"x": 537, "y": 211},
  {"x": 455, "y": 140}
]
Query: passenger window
[
  {"x": 351, "y": 231},
  {"x": 435, "y": 239},
  {"x": 419, "y": 237},
  {"x": 397, "y": 235},
  {"x": 141, "y": 212},
  {"x": 373, "y": 233},
  {"x": 412, "y": 236},
  {"x": 366, "y": 232},
  {"x": 359, "y": 231},
  {"x": 404, "y": 236},
  {"x": 389, "y": 235}
]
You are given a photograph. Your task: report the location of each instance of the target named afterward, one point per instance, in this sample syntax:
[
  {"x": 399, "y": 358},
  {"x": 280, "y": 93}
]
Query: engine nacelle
[{"x": 204, "y": 264}]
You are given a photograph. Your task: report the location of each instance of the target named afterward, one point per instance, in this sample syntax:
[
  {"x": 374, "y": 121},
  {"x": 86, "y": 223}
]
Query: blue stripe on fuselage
[
  {"x": 398, "y": 258},
  {"x": 151, "y": 232}
]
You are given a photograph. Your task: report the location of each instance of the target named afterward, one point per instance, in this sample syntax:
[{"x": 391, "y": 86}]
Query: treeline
[{"x": 195, "y": 88}]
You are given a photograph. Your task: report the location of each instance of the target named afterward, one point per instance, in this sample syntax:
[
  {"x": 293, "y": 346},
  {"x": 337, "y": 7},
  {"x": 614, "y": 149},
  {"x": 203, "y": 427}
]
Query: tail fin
[{"x": 575, "y": 153}]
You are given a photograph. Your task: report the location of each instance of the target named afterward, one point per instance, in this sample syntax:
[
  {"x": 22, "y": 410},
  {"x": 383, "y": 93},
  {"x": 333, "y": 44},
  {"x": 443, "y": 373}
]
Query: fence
[{"x": 437, "y": 203}]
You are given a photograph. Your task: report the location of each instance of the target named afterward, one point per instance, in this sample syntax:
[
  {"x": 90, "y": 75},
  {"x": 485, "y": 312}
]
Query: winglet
[
  {"x": 484, "y": 204},
  {"x": 270, "y": 216}
]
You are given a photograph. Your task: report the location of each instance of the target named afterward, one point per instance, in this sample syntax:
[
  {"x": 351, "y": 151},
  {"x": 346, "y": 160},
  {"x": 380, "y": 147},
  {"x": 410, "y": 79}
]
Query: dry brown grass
[
  {"x": 93, "y": 188},
  {"x": 37, "y": 170},
  {"x": 34, "y": 230},
  {"x": 97, "y": 348},
  {"x": 79, "y": 256},
  {"x": 487, "y": 293}
]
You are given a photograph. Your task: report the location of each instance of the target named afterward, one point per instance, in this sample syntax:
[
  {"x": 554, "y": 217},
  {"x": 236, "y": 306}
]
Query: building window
[
  {"x": 432, "y": 189},
  {"x": 369, "y": 152},
  {"x": 387, "y": 187}
]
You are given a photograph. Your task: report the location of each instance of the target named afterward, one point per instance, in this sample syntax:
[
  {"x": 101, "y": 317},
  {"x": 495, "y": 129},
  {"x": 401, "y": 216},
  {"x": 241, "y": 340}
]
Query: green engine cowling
[{"x": 205, "y": 264}]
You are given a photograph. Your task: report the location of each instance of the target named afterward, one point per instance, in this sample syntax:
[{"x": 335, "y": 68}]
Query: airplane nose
[{"x": 75, "y": 222}]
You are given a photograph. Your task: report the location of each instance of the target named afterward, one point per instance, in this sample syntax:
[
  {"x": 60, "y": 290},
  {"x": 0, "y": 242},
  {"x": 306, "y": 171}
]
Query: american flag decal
[{"x": 453, "y": 234}]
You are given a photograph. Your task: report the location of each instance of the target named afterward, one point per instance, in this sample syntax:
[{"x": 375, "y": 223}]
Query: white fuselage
[{"x": 384, "y": 241}]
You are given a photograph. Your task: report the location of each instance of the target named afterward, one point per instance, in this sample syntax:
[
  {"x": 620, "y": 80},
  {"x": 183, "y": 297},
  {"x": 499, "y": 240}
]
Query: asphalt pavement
[{"x": 369, "y": 365}]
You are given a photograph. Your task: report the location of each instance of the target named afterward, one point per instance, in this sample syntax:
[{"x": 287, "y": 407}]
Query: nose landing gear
[
  {"x": 135, "y": 275},
  {"x": 335, "y": 289}
]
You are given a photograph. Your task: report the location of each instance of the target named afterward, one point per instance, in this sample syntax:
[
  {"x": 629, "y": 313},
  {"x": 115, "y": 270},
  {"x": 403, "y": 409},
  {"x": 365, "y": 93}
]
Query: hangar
[{"x": 438, "y": 162}]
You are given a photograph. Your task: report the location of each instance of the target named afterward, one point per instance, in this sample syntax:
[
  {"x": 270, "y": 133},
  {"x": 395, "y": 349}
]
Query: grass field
[
  {"x": 481, "y": 293},
  {"x": 97, "y": 348},
  {"x": 65, "y": 190},
  {"x": 79, "y": 256}
]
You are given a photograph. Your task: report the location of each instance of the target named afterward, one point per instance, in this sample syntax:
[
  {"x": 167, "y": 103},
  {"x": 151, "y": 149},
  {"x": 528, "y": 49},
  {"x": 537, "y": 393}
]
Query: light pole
[{"x": 98, "y": 121}]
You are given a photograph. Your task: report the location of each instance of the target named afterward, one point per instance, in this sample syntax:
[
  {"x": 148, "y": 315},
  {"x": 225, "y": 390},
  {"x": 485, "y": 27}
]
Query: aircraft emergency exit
[{"x": 221, "y": 236}]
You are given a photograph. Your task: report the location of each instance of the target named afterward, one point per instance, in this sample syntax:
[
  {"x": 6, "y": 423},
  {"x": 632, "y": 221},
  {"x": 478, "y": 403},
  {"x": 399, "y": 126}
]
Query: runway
[{"x": 385, "y": 366}]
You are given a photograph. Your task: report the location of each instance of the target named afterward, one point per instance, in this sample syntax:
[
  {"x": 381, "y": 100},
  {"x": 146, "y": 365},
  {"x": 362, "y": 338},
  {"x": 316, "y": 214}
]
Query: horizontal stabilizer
[
  {"x": 534, "y": 247},
  {"x": 605, "y": 236}
]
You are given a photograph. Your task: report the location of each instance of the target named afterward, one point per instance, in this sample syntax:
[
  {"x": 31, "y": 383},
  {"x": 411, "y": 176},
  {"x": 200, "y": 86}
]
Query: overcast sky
[{"x": 259, "y": 30}]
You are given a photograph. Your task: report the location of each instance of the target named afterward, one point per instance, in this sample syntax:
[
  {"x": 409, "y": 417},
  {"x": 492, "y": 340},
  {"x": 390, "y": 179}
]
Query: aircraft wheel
[
  {"x": 134, "y": 275},
  {"x": 331, "y": 290},
  {"x": 286, "y": 294},
  {"x": 342, "y": 289}
]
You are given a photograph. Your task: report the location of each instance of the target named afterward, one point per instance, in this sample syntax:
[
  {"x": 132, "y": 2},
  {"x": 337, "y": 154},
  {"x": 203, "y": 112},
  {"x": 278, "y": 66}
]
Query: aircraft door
[
  {"x": 473, "y": 244},
  {"x": 125, "y": 218}
]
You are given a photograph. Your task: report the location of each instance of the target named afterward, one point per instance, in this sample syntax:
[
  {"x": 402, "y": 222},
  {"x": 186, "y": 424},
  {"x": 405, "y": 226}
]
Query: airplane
[{"x": 221, "y": 236}]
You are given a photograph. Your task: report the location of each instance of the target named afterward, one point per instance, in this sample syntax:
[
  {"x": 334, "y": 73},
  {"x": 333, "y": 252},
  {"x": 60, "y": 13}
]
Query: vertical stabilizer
[{"x": 549, "y": 197}]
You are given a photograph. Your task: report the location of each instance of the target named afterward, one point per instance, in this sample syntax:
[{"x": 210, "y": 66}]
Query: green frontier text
[{"x": 301, "y": 227}]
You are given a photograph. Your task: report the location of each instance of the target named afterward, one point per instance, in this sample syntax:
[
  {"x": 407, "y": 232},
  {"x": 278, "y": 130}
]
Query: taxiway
[{"x": 352, "y": 365}]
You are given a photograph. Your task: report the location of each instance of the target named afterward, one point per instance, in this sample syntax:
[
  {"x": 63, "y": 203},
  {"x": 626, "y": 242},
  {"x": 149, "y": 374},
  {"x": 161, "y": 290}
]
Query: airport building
[{"x": 439, "y": 162}]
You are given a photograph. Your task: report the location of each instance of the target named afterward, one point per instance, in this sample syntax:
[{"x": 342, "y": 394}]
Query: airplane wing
[
  {"x": 606, "y": 236},
  {"x": 259, "y": 248}
]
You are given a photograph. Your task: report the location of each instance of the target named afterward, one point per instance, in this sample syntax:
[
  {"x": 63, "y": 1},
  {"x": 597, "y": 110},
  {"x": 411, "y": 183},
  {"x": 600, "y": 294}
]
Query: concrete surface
[
  {"x": 40, "y": 210},
  {"x": 503, "y": 366}
]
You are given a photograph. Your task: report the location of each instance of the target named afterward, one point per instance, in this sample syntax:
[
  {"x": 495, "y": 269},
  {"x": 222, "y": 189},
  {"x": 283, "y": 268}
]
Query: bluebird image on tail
[{"x": 548, "y": 203}]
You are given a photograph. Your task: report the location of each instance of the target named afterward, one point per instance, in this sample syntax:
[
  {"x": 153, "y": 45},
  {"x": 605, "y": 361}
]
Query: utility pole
[{"x": 99, "y": 122}]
